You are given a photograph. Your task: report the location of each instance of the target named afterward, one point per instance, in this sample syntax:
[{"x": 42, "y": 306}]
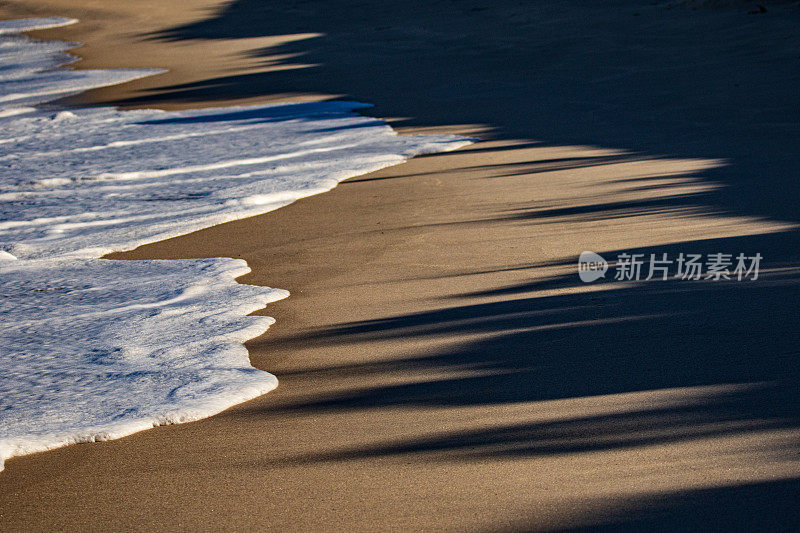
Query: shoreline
[
  {"x": 181, "y": 325},
  {"x": 437, "y": 355}
]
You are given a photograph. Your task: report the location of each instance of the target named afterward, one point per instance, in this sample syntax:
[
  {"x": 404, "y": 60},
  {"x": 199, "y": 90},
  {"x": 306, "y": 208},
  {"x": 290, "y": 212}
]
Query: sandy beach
[{"x": 441, "y": 365}]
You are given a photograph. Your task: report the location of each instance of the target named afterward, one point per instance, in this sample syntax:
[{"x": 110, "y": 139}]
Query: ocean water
[{"x": 94, "y": 349}]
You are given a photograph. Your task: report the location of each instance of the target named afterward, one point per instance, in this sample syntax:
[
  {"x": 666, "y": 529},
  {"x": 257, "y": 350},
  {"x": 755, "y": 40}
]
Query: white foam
[
  {"x": 96, "y": 349},
  {"x": 21, "y": 25},
  {"x": 28, "y": 74}
]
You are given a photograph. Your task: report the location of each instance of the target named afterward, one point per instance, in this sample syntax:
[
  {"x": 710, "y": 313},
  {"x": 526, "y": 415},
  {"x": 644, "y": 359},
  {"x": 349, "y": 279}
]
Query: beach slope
[{"x": 441, "y": 365}]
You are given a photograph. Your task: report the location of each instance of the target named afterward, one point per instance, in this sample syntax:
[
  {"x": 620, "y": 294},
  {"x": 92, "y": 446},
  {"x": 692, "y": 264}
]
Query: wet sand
[{"x": 442, "y": 367}]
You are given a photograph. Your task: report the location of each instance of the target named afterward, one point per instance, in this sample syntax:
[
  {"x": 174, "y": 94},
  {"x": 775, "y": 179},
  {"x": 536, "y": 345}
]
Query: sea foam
[{"x": 94, "y": 349}]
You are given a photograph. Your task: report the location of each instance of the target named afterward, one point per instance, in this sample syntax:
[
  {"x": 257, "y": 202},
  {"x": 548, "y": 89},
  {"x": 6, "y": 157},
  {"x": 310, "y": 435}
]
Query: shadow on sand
[{"x": 562, "y": 74}]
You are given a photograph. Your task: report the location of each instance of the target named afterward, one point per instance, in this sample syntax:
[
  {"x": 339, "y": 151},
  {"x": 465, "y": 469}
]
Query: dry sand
[{"x": 441, "y": 365}]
